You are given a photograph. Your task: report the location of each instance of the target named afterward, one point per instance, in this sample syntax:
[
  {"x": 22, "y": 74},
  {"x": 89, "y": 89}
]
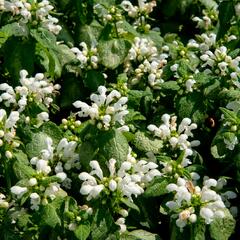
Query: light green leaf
[
  {"x": 222, "y": 228},
  {"x": 82, "y": 232},
  {"x": 140, "y": 235},
  {"x": 144, "y": 143},
  {"x": 49, "y": 216},
  {"x": 53, "y": 131},
  {"x": 130, "y": 204},
  {"x": 37, "y": 144},
  {"x": 113, "y": 52}
]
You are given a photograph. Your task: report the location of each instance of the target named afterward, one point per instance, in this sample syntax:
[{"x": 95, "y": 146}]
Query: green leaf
[
  {"x": 18, "y": 55},
  {"x": 49, "y": 216},
  {"x": 12, "y": 29},
  {"x": 139, "y": 235},
  {"x": 113, "y": 144},
  {"x": 90, "y": 33},
  {"x": 103, "y": 224},
  {"x": 53, "y": 131},
  {"x": 191, "y": 106},
  {"x": 22, "y": 171},
  {"x": 37, "y": 144},
  {"x": 170, "y": 86},
  {"x": 157, "y": 187},
  {"x": 226, "y": 12},
  {"x": 130, "y": 204},
  {"x": 93, "y": 80},
  {"x": 222, "y": 228},
  {"x": 113, "y": 52},
  {"x": 82, "y": 232},
  {"x": 199, "y": 229},
  {"x": 144, "y": 143},
  {"x": 229, "y": 115}
]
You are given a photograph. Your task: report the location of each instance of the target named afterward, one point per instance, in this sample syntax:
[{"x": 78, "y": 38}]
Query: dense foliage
[{"x": 119, "y": 119}]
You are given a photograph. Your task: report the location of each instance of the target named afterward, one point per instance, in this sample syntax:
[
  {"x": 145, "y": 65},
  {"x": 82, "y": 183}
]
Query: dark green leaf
[{"x": 93, "y": 80}]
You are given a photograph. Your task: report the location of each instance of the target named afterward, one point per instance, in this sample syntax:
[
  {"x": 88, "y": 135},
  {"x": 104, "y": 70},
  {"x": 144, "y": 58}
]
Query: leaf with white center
[
  {"x": 147, "y": 144},
  {"x": 113, "y": 52}
]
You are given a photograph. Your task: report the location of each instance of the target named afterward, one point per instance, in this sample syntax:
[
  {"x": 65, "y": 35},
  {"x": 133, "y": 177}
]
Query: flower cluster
[
  {"x": 88, "y": 57},
  {"x": 208, "y": 20},
  {"x": 8, "y": 138},
  {"x": 150, "y": 64},
  {"x": 191, "y": 202},
  {"x": 129, "y": 179},
  {"x": 34, "y": 12},
  {"x": 139, "y": 13},
  {"x": 36, "y": 89},
  {"x": 176, "y": 138},
  {"x": 221, "y": 63},
  {"x": 62, "y": 157},
  {"x": 106, "y": 110},
  {"x": 38, "y": 191}
]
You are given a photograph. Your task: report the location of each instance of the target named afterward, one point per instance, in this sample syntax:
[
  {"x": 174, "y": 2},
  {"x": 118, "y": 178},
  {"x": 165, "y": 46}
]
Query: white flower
[
  {"x": 121, "y": 223},
  {"x": 35, "y": 201},
  {"x": 42, "y": 166},
  {"x": 62, "y": 176},
  {"x": 12, "y": 119},
  {"x": 32, "y": 182},
  {"x": 207, "y": 214},
  {"x": 112, "y": 185},
  {"x": 43, "y": 117},
  {"x": 19, "y": 191}
]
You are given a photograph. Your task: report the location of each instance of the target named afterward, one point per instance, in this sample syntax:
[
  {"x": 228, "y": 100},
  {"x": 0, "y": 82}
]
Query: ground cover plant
[{"x": 119, "y": 119}]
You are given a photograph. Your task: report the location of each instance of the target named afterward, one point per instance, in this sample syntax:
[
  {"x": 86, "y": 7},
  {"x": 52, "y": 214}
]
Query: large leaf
[
  {"x": 53, "y": 131},
  {"x": 113, "y": 144},
  {"x": 19, "y": 55},
  {"x": 37, "y": 144},
  {"x": 12, "y": 29},
  {"x": 226, "y": 12},
  {"x": 113, "y": 52},
  {"x": 21, "y": 168},
  {"x": 139, "y": 235},
  {"x": 222, "y": 228},
  {"x": 144, "y": 143},
  {"x": 82, "y": 232},
  {"x": 49, "y": 216},
  {"x": 103, "y": 224}
]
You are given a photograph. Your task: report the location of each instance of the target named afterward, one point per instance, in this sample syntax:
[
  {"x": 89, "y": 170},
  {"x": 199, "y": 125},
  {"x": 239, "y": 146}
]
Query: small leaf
[{"x": 199, "y": 229}]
